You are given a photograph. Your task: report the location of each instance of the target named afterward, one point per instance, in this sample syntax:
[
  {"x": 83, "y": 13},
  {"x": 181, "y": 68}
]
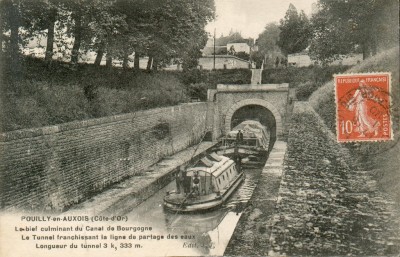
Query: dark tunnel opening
[{"x": 258, "y": 113}]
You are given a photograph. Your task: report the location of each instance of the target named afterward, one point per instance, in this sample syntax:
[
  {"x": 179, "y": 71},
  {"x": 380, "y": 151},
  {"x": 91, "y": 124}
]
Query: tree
[
  {"x": 50, "y": 33},
  {"x": 161, "y": 30},
  {"x": 295, "y": 31},
  {"x": 40, "y": 18},
  {"x": 191, "y": 55},
  {"x": 233, "y": 37},
  {"x": 268, "y": 40},
  {"x": 267, "y": 43},
  {"x": 108, "y": 30},
  {"x": 343, "y": 27},
  {"x": 11, "y": 20},
  {"x": 174, "y": 24}
]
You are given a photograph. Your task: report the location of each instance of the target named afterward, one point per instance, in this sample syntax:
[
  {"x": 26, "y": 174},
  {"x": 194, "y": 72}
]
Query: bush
[
  {"x": 297, "y": 75},
  {"x": 304, "y": 90},
  {"x": 198, "y": 90},
  {"x": 193, "y": 76},
  {"x": 41, "y": 104},
  {"x": 45, "y": 94}
]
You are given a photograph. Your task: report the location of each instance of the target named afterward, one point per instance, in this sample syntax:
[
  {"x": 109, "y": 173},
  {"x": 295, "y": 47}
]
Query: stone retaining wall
[{"x": 54, "y": 167}]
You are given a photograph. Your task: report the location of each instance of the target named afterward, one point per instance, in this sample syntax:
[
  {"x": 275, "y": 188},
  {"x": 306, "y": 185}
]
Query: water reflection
[{"x": 206, "y": 233}]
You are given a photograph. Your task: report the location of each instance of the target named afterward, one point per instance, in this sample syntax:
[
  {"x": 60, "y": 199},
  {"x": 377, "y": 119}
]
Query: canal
[{"x": 206, "y": 233}]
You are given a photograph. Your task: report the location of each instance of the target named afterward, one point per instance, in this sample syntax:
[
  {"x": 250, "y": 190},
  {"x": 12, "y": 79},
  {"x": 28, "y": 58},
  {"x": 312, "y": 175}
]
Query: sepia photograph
[{"x": 199, "y": 128}]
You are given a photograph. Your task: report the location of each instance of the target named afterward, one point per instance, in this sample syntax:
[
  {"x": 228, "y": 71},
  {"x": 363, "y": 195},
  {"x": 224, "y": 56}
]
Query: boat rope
[{"x": 198, "y": 144}]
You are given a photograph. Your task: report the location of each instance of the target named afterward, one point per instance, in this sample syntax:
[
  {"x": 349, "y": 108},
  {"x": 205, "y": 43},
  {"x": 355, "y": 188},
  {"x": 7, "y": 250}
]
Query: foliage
[
  {"x": 198, "y": 90},
  {"x": 162, "y": 30},
  {"x": 242, "y": 55},
  {"x": 295, "y": 75},
  {"x": 295, "y": 31},
  {"x": 192, "y": 53},
  {"x": 343, "y": 27},
  {"x": 233, "y": 37},
  {"x": 173, "y": 24},
  {"x": 267, "y": 43},
  {"x": 46, "y": 95},
  {"x": 305, "y": 89}
]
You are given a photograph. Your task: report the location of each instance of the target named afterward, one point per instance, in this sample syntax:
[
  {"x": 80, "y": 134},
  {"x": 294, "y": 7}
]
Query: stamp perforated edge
[{"x": 390, "y": 106}]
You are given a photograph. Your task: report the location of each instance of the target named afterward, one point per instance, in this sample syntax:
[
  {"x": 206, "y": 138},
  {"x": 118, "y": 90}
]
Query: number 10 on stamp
[{"x": 363, "y": 107}]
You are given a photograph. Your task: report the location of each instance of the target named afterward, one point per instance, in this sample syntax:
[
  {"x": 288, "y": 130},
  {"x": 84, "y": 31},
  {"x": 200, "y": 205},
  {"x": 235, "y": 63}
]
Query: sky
[{"x": 250, "y": 16}]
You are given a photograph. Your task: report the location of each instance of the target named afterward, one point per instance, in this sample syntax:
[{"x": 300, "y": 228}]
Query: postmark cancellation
[{"x": 363, "y": 107}]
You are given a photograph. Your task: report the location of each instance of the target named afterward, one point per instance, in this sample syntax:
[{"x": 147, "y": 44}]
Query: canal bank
[
  {"x": 121, "y": 198},
  {"x": 253, "y": 230}
]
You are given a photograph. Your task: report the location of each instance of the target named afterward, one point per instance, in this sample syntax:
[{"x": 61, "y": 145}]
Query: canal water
[{"x": 206, "y": 233}]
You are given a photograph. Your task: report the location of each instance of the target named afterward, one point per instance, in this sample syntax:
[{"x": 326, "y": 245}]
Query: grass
[
  {"x": 39, "y": 94},
  {"x": 296, "y": 75},
  {"x": 383, "y": 157},
  {"x": 305, "y": 79}
]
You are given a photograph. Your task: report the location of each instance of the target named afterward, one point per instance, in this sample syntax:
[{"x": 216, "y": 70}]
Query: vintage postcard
[{"x": 199, "y": 128}]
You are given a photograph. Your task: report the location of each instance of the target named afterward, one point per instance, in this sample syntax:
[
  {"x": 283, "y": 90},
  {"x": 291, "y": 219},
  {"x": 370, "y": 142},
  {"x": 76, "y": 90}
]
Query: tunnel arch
[{"x": 252, "y": 102}]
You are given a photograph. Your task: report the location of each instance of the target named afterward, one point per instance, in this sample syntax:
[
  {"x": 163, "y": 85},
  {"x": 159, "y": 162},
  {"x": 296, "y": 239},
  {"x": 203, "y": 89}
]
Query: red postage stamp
[{"x": 363, "y": 107}]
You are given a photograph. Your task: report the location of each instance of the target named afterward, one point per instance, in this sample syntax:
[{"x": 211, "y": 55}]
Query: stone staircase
[{"x": 256, "y": 76}]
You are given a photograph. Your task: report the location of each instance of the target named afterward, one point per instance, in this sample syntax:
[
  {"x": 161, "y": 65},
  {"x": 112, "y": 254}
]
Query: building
[
  {"x": 222, "y": 62},
  {"x": 239, "y": 47}
]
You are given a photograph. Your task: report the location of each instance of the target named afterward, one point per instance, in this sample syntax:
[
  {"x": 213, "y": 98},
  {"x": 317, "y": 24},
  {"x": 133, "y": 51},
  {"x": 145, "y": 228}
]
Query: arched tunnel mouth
[{"x": 257, "y": 113}]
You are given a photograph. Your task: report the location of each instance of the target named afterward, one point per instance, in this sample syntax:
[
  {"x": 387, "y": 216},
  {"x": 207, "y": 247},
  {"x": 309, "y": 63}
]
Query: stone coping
[{"x": 253, "y": 88}]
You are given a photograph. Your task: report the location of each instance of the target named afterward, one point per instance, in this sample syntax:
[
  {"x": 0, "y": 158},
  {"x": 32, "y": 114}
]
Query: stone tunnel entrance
[
  {"x": 255, "y": 109},
  {"x": 258, "y": 113},
  {"x": 232, "y": 104}
]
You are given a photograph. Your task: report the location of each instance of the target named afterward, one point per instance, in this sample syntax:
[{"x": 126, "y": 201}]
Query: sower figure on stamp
[{"x": 358, "y": 103}]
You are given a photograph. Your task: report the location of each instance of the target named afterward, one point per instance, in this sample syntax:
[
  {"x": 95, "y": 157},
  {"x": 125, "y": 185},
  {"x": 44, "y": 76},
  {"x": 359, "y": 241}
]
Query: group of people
[{"x": 239, "y": 137}]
